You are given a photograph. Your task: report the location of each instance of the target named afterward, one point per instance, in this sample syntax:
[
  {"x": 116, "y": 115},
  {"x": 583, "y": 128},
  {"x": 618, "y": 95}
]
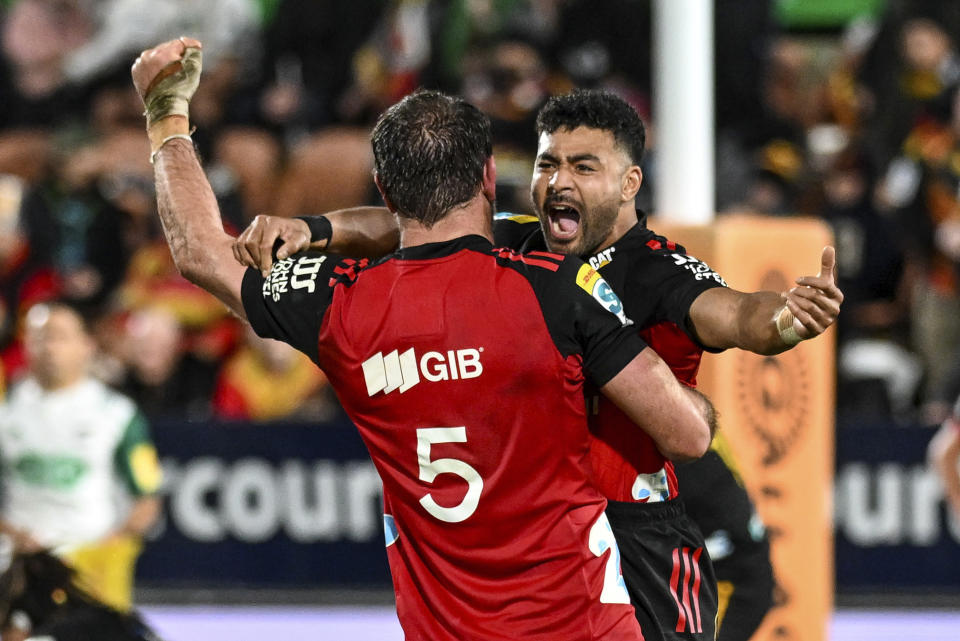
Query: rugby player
[
  {"x": 68, "y": 443},
  {"x": 584, "y": 184},
  {"x": 492, "y": 526}
]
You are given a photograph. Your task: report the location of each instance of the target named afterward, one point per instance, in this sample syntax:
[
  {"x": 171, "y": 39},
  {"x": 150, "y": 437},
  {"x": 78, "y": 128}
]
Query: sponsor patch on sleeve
[
  {"x": 292, "y": 273},
  {"x": 146, "y": 468},
  {"x": 699, "y": 269},
  {"x": 593, "y": 283}
]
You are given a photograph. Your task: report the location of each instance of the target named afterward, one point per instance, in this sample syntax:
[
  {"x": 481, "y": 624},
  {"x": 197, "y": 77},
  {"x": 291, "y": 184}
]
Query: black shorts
[
  {"x": 740, "y": 549},
  {"x": 667, "y": 570}
]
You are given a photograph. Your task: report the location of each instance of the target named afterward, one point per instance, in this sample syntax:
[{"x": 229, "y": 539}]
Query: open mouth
[{"x": 564, "y": 220}]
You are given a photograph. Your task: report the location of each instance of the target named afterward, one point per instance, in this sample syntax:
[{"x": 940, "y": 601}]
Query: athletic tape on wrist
[
  {"x": 788, "y": 334},
  {"x": 153, "y": 154},
  {"x": 171, "y": 95},
  {"x": 320, "y": 228}
]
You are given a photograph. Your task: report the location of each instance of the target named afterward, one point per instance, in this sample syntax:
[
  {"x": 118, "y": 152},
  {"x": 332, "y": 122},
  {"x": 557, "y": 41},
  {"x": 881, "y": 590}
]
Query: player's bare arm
[
  {"x": 767, "y": 322},
  {"x": 678, "y": 419},
  {"x": 143, "y": 514},
  {"x": 943, "y": 454},
  {"x": 166, "y": 77},
  {"x": 358, "y": 231}
]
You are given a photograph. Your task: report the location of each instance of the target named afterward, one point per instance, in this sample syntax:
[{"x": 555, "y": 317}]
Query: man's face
[
  {"x": 58, "y": 346},
  {"x": 578, "y": 189}
]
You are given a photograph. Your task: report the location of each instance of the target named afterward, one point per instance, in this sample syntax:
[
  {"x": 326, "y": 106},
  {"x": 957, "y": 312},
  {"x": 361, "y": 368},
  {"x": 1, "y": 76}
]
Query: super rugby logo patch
[{"x": 592, "y": 282}]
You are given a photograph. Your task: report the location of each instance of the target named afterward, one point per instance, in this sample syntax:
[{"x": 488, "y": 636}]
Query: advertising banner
[
  {"x": 279, "y": 505},
  {"x": 893, "y": 532},
  {"x": 778, "y": 414}
]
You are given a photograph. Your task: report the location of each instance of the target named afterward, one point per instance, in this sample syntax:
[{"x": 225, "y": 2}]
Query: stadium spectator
[
  {"x": 877, "y": 374},
  {"x": 445, "y": 287},
  {"x": 921, "y": 187},
  {"x": 162, "y": 376},
  {"x": 67, "y": 444},
  {"x": 37, "y": 37},
  {"x": 268, "y": 380}
]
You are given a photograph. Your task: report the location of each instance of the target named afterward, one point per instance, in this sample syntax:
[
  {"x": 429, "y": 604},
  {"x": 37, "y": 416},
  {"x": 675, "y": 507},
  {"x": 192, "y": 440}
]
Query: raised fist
[{"x": 167, "y": 76}]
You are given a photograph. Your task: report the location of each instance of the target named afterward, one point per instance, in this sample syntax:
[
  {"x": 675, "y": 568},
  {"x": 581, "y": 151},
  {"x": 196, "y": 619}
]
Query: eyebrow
[{"x": 571, "y": 159}]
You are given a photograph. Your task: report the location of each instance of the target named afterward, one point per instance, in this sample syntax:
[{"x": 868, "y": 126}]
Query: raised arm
[
  {"x": 767, "y": 322},
  {"x": 369, "y": 232},
  {"x": 166, "y": 78},
  {"x": 680, "y": 420}
]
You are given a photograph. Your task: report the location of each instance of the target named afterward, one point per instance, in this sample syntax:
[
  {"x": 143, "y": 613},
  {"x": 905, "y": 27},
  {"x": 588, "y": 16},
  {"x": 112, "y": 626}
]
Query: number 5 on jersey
[{"x": 429, "y": 469}]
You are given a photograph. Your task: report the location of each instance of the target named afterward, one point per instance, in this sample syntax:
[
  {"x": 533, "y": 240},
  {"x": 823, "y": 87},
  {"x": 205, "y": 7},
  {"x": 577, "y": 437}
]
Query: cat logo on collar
[{"x": 602, "y": 258}]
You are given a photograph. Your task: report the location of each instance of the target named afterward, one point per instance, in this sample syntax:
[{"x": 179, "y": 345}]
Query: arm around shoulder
[{"x": 679, "y": 420}]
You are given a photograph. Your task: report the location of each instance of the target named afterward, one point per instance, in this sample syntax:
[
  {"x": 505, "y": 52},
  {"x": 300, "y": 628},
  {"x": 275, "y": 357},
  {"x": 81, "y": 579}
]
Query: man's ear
[
  {"x": 489, "y": 185},
  {"x": 632, "y": 180},
  {"x": 383, "y": 194}
]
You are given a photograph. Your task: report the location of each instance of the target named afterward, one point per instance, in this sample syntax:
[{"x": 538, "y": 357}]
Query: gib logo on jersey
[
  {"x": 399, "y": 372},
  {"x": 592, "y": 282}
]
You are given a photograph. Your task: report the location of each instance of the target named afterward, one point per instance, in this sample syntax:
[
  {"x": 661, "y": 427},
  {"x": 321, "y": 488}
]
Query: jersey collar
[{"x": 444, "y": 248}]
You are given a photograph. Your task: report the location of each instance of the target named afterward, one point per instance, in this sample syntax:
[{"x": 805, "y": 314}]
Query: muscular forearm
[
  {"x": 674, "y": 416},
  {"x": 757, "y": 324},
  {"x": 768, "y": 322},
  {"x": 362, "y": 231},
  {"x": 166, "y": 77},
  {"x": 724, "y": 318},
  {"x": 190, "y": 217}
]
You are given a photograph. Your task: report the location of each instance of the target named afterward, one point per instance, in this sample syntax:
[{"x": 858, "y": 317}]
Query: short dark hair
[
  {"x": 429, "y": 150},
  {"x": 86, "y": 314},
  {"x": 598, "y": 110}
]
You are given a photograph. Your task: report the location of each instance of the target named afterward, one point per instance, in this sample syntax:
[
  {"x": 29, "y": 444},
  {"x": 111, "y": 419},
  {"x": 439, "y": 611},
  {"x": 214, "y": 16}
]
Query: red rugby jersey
[
  {"x": 657, "y": 281},
  {"x": 463, "y": 368}
]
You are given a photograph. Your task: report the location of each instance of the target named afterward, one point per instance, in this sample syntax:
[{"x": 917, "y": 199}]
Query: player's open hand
[
  {"x": 167, "y": 76},
  {"x": 254, "y": 247},
  {"x": 815, "y": 301}
]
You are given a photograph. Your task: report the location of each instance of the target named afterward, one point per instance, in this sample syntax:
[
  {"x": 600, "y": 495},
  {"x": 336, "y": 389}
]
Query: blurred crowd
[{"x": 857, "y": 123}]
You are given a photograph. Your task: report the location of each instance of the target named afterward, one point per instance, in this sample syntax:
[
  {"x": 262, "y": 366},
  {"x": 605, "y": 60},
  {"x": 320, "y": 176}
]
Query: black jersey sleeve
[
  {"x": 517, "y": 231},
  {"x": 676, "y": 279},
  {"x": 289, "y": 305},
  {"x": 585, "y": 317}
]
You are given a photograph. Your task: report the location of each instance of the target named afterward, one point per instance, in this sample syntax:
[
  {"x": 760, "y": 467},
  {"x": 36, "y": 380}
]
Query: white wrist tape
[{"x": 788, "y": 334}]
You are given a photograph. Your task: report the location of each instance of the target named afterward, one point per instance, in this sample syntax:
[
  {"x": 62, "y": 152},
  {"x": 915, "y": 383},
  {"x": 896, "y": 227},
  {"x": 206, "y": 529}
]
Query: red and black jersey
[
  {"x": 463, "y": 368},
  {"x": 657, "y": 281}
]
